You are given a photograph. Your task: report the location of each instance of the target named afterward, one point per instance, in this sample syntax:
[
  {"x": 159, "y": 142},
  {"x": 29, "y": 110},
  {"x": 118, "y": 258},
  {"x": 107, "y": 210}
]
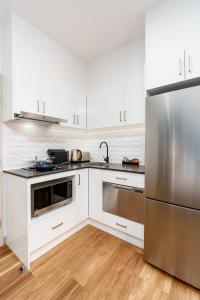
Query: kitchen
[{"x": 95, "y": 194}]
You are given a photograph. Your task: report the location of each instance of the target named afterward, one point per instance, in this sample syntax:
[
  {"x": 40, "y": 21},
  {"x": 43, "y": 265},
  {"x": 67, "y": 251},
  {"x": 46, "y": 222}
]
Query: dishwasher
[{"x": 124, "y": 201}]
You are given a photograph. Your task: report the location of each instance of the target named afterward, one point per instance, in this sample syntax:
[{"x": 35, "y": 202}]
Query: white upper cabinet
[
  {"x": 192, "y": 62},
  {"x": 39, "y": 74},
  {"x": 105, "y": 107},
  {"x": 161, "y": 71},
  {"x": 172, "y": 47},
  {"x": 25, "y": 60},
  {"x": 116, "y": 87}
]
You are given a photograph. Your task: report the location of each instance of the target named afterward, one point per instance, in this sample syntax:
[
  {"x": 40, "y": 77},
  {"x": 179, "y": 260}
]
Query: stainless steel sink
[{"x": 98, "y": 164}]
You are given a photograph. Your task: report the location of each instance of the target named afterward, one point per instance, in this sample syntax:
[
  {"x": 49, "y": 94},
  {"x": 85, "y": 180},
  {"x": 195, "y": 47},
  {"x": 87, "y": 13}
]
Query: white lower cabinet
[
  {"x": 30, "y": 237},
  {"x": 45, "y": 230},
  {"x": 124, "y": 225},
  {"x": 95, "y": 194},
  {"x": 124, "y": 178},
  {"x": 96, "y": 179}
]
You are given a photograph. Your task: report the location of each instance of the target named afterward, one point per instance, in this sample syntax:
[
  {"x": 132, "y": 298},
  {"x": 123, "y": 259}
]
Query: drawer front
[
  {"x": 124, "y": 178},
  {"x": 46, "y": 230},
  {"x": 124, "y": 225}
]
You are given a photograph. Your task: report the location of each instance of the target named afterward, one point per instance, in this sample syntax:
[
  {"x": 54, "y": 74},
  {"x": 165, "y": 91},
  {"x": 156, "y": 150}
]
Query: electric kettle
[{"x": 76, "y": 155}]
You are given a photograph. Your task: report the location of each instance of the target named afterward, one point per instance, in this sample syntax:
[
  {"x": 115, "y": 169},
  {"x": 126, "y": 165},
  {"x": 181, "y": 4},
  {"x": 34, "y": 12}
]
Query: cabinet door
[
  {"x": 77, "y": 110},
  {"x": 134, "y": 103},
  {"x": 55, "y": 94},
  {"x": 192, "y": 62},
  {"x": 105, "y": 106},
  {"x": 80, "y": 110},
  {"x": 81, "y": 182},
  {"x": 26, "y": 92},
  {"x": 26, "y": 55},
  {"x": 95, "y": 195},
  {"x": 164, "y": 70}
]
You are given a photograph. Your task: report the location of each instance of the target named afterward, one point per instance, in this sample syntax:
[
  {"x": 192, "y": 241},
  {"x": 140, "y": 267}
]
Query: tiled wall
[
  {"x": 22, "y": 142},
  {"x": 119, "y": 147}
]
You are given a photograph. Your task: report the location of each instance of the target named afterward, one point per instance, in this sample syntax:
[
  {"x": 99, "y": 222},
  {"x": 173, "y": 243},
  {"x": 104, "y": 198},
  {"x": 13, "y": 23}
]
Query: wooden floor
[{"x": 89, "y": 265}]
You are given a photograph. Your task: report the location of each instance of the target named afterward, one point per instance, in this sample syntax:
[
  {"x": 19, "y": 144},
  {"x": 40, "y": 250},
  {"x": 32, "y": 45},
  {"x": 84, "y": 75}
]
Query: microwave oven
[{"x": 50, "y": 195}]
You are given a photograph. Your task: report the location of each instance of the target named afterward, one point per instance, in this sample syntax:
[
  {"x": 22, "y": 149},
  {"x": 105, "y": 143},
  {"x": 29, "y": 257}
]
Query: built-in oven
[
  {"x": 49, "y": 195},
  {"x": 124, "y": 201}
]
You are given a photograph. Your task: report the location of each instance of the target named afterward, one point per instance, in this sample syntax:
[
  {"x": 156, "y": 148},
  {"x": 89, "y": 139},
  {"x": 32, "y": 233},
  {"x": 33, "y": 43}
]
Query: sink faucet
[{"x": 107, "y": 157}]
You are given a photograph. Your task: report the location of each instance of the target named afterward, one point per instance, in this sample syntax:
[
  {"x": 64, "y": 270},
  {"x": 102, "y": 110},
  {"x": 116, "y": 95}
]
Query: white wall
[
  {"x": 1, "y": 92},
  {"x": 120, "y": 65},
  {"x": 1, "y": 50}
]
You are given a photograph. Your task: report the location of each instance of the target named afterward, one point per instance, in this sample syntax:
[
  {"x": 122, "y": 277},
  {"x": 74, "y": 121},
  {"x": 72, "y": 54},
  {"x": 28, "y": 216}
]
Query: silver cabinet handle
[
  {"x": 189, "y": 64},
  {"x": 74, "y": 117},
  {"x": 125, "y": 116},
  {"x": 38, "y": 106},
  {"x": 121, "y": 178},
  {"x": 123, "y": 226},
  {"x": 120, "y": 116},
  {"x": 43, "y": 109},
  {"x": 180, "y": 65},
  {"x": 60, "y": 224},
  {"x": 77, "y": 119},
  {"x": 79, "y": 179}
]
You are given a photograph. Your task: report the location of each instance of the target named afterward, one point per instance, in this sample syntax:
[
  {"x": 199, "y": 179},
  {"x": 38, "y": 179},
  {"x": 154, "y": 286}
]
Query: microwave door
[{"x": 50, "y": 195}]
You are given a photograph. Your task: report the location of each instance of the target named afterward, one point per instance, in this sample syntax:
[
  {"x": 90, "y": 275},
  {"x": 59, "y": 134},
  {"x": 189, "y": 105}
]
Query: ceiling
[{"x": 89, "y": 28}]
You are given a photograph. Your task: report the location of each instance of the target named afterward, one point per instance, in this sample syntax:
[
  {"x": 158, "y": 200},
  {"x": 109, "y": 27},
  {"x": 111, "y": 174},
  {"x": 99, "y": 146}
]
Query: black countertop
[{"x": 71, "y": 167}]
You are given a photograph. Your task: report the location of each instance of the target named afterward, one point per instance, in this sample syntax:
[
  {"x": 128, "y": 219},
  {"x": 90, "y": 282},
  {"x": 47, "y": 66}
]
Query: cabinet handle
[
  {"x": 120, "y": 116},
  {"x": 123, "y": 226},
  {"x": 77, "y": 119},
  {"x": 60, "y": 224},
  {"x": 74, "y": 116},
  {"x": 121, "y": 178},
  {"x": 38, "y": 106},
  {"x": 189, "y": 64},
  {"x": 43, "y": 109},
  {"x": 79, "y": 179},
  {"x": 125, "y": 116},
  {"x": 180, "y": 63}
]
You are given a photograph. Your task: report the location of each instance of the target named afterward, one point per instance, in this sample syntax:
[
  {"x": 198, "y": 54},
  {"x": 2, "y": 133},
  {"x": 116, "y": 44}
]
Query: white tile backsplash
[
  {"x": 22, "y": 142},
  {"x": 129, "y": 146}
]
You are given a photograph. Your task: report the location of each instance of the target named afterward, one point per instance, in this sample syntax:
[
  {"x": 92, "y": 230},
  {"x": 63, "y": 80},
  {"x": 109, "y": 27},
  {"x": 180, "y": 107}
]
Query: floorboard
[{"x": 90, "y": 265}]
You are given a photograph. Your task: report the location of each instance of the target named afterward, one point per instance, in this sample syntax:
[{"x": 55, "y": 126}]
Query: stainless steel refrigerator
[{"x": 172, "y": 183}]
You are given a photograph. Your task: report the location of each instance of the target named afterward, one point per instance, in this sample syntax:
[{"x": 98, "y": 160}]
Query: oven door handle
[{"x": 124, "y": 187}]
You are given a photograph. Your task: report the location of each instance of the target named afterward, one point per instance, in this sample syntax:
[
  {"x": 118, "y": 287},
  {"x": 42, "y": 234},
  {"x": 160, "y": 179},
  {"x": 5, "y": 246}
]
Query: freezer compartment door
[
  {"x": 172, "y": 240},
  {"x": 172, "y": 158}
]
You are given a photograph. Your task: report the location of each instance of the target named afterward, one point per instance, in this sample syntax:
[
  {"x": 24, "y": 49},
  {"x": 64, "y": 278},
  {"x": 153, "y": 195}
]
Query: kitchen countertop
[{"x": 71, "y": 167}]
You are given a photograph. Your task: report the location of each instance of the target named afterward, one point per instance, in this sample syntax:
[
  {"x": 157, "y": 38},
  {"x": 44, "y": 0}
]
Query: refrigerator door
[
  {"x": 172, "y": 240},
  {"x": 172, "y": 159}
]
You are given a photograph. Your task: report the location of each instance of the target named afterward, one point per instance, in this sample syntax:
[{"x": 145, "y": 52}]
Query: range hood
[{"x": 38, "y": 117}]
